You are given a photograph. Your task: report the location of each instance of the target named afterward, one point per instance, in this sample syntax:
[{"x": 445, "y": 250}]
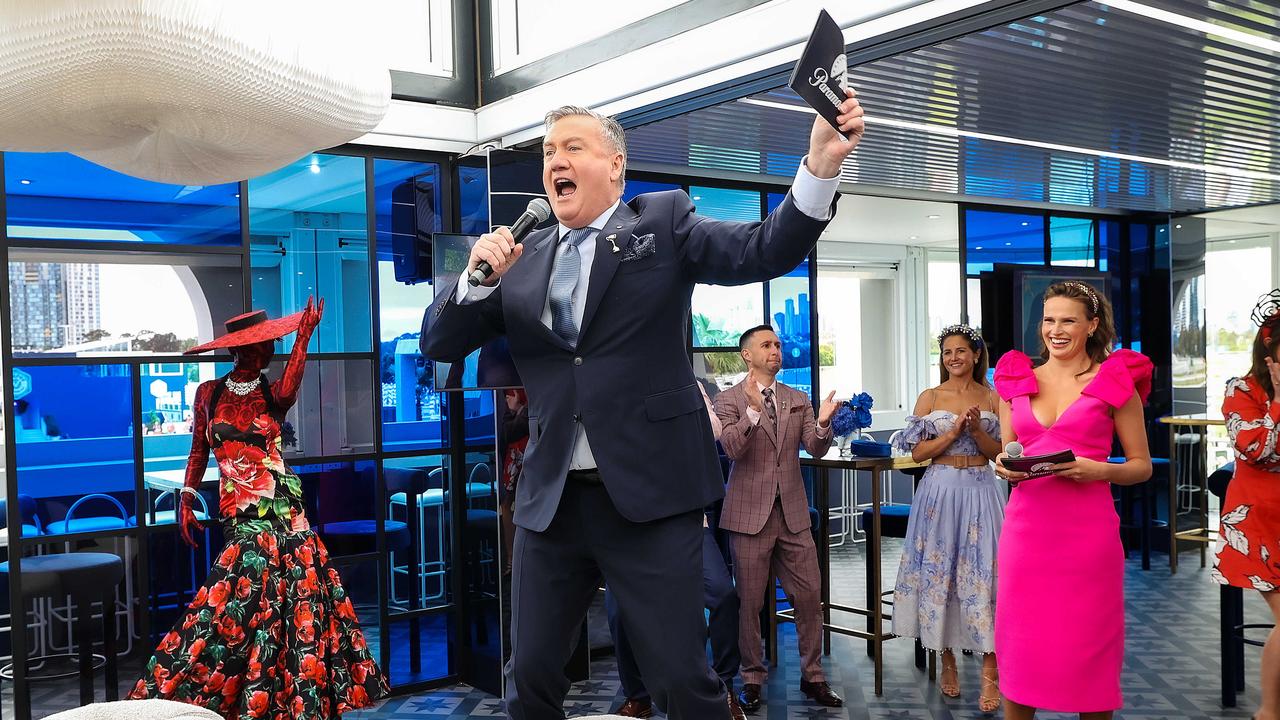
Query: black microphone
[{"x": 537, "y": 211}]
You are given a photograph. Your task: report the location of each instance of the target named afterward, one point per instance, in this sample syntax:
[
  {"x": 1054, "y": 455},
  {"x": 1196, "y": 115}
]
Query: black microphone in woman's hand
[{"x": 537, "y": 211}]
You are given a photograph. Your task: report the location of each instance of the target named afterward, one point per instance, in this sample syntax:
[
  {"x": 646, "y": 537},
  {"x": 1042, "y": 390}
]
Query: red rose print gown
[{"x": 271, "y": 634}]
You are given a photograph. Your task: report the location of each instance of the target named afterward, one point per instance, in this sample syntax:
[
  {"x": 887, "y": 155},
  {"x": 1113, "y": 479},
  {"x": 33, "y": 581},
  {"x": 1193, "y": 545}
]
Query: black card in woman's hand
[
  {"x": 1037, "y": 465},
  {"x": 819, "y": 76}
]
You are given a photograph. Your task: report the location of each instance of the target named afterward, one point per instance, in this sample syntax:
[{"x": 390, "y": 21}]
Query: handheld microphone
[
  {"x": 537, "y": 211},
  {"x": 1013, "y": 449}
]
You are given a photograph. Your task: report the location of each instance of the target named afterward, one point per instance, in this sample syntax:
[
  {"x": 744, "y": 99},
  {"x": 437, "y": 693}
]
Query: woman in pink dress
[{"x": 1059, "y": 629}]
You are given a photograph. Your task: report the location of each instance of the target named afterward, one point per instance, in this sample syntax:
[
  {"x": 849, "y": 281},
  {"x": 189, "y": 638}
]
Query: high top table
[
  {"x": 1201, "y": 533},
  {"x": 874, "y": 633}
]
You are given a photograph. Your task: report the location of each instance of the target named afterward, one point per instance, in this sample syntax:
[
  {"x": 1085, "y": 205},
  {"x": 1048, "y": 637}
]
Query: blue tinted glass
[
  {"x": 722, "y": 313},
  {"x": 407, "y": 203},
  {"x": 789, "y": 315},
  {"x": 477, "y": 409},
  {"x": 722, "y": 204},
  {"x": 89, "y": 309},
  {"x": 640, "y": 187},
  {"x": 1109, "y": 239},
  {"x": 309, "y": 237},
  {"x": 65, "y": 452},
  {"x": 428, "y": 474},
  {"x": 473, "y": 199},
  {"x": 1071, "y": 241},
  {"x": 994, "y": 169},
  {"x": 774, "y": 200},
  {"x": 998, "y": 237},
  {"x": 57, "y": 196}
]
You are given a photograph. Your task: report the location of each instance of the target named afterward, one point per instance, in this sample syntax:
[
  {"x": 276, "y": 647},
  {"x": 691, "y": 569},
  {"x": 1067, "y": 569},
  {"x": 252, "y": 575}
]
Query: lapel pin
[{"x": 611, "y": 239}]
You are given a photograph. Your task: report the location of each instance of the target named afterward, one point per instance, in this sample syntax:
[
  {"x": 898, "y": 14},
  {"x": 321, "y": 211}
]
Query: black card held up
[{"x": 820, "y": 75}]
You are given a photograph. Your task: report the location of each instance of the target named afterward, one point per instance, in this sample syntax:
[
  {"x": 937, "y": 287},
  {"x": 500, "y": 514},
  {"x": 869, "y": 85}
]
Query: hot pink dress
[{"x": 1059, "y": 632}]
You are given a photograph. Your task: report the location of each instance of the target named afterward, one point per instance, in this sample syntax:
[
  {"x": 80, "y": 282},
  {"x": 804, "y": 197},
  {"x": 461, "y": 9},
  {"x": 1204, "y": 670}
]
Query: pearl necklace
[{"x": 243, "y": 388}]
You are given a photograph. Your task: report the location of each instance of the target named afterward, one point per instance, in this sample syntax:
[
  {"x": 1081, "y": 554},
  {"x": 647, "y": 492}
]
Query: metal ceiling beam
[{"x": 941, "y": 29}]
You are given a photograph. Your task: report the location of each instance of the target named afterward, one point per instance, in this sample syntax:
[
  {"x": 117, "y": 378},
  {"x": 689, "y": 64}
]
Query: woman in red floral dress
[
  {"x": 1248, "y": 552},
  {"x": 272, "y": 633}
]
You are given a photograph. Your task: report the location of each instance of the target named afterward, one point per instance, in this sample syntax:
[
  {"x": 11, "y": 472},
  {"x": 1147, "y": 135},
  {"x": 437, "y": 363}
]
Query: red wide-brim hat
[{"x": 250, "y": 328}]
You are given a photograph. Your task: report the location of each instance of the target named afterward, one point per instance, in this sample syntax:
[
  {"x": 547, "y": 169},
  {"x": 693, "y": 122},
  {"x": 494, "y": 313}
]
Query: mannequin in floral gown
[{"x": 272, "y": 633}]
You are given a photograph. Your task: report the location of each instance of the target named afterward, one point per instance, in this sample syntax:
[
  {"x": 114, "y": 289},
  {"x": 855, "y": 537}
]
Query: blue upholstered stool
[
  {"x": 27, "y": 509},
  {"x": 74, "y": 524},
  {"x": 86, "y": 577}
]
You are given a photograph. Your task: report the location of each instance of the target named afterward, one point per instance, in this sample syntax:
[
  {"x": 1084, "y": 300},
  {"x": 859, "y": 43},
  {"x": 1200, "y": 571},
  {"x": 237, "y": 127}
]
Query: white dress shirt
[{"x": 812, "y": 196}]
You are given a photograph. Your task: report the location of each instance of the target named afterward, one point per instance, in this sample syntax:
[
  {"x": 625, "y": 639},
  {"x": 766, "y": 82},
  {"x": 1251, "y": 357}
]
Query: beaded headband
[
  {"x": 1266, "y": 313},
  {"x": 964, "y": 330},
  {"x": 1093, "y": 296}
]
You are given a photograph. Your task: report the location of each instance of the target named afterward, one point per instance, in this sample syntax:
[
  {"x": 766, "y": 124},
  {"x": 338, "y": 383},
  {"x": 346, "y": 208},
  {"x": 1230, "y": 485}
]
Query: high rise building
[
  {"x": 37, "y": 305},
  {"x": 84, "y": 312}
]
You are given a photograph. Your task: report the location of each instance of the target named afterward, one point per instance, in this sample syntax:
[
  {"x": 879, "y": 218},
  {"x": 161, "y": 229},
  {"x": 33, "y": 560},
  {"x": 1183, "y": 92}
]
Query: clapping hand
[
  {"x": 827, "y": 409},
  {"x": 752, "y": 389},
  {"x": 972, "y": 417}
]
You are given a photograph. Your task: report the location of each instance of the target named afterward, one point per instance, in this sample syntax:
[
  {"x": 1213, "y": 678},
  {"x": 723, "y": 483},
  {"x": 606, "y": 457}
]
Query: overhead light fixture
[
  {"x": 1191, "y": 23},
  {"x": 915, "y": 237},
  {"x": 934, "y": 217},
  {"x": 977, "y": 247},
  {"x": 25, "y": 181},
  {"x": 1008, "y": 244},
  {"x": 1025, "y": 224},
  {"x": 1179, "y": 227},
  {"x": 697, "y": 197},
  {"x": 315, "y": 165},
  {"x": 944, "y": 130}
]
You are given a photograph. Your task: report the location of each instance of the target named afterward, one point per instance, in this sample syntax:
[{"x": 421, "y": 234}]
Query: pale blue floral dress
[{"x": 946, "y": 588}]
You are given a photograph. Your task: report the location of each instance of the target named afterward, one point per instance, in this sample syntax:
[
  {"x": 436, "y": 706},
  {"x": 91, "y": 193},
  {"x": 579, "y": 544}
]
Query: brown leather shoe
[
  {"x": 636, "y": 708},
  {"x": 749, "y": 698},
  {"x": 821, "y": 693},
  {"x": 735, "y": 710}
]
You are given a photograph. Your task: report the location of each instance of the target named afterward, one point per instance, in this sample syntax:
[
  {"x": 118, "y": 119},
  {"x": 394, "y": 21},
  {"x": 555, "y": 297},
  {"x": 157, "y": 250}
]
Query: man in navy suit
[{"x": 620, "y": 459}]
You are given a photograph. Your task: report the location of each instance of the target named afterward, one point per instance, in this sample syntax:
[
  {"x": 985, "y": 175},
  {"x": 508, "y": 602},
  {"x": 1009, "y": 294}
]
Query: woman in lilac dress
[
  {"x": 1060, "y": 604},
  {"x": 945, "y": 593}
]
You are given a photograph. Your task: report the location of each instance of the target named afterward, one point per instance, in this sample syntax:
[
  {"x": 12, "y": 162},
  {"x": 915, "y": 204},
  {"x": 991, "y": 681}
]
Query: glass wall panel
[
  {"x": 640, "y": 187},
  {"x": 309, "y": 237},
  {"x": 95, "y": 308},
  {"x": 60, "y": 197},
  {"x": 1001, "y": 237},
  {"x": 427, "y": 479},
  {"x": 722, "y": 313},
  {"x": 1071, "y": 241},
  {"x": 943, "y": 278},
  {"x": 334, "y": 412},
  {"x": 408, "y": 201},
  {"x": 789, "y": 313},
  {"x": 852, "y": 340},
  {"x": 65, "y": 454}
]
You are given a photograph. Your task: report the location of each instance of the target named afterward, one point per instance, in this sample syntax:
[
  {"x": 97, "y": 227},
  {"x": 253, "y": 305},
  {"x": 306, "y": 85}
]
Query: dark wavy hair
[
  {"x": 980, "y": 362},
  {"x": 1096, "y": 305},
  {"x": 1266, "y": 314}
]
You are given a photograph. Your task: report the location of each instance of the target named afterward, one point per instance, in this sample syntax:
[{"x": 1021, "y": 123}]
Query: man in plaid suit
[{"x": 766, "y": 510}]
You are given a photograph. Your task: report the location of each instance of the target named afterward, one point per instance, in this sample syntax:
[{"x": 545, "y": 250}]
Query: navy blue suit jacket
[{"x": 629, "y": 381}]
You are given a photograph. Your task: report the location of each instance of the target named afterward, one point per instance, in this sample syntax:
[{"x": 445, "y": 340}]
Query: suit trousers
[
  {"x": 775, "y": 551},
  {"x": 721, "y": 600},
  {"x": 655, "y": 571}
]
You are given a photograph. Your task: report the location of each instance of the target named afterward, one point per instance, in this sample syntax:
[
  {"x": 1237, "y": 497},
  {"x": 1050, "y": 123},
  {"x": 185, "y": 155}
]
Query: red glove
[{"x": 187, "y": 522}]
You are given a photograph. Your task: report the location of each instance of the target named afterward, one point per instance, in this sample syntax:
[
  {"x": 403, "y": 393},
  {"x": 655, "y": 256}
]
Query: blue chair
[
  {"x": 170, "y": 517},
  {"x": 72, "y": 524},
  {"x": 31, "y": 526}
]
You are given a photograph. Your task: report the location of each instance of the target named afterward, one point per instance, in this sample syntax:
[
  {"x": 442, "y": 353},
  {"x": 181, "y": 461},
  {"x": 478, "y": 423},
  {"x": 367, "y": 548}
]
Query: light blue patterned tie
[{"x": 564, "y": 280}]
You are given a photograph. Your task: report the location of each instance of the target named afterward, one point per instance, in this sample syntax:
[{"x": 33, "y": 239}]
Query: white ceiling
[{"x": 892, "y": 221}]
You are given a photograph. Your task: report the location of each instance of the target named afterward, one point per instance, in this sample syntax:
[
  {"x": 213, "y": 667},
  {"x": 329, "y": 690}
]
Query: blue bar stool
[
  {"x": 72, "y": 523},
  {"x": 87, "y": 577}
]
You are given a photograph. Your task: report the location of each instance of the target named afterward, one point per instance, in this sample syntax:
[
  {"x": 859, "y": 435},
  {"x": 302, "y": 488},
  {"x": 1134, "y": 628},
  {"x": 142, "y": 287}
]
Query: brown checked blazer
[{"x": 767, "y": 465}]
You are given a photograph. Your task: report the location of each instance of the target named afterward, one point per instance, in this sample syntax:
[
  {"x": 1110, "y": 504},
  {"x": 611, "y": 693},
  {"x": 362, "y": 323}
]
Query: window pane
[
  {"x": 852, "y": 342},
  {"x": 640, "y": 187},
  {"x": 1071, "y": 241},
  {"x": 1237, "y": 273},
  {"x": 789, "y": 315},
  {"x": 334, "y": 411},
  {"x": 65, "y": 453},
  {"x": 975, "y": 301},
  {"x": 477, "y": 409},
  {"x": 722, "y": 313},
  {"x": 407, "y": 196},
  {"x": 428, "y": 476},
  {"x": 473, "y": 197},
  {"x": 91, "y": 308},
  {"x": 309, "y": 236},
  {"x": 719, "y": 371},
  {"x": 999, "y": 237},
  {"x": 943, "y": 298},
  {"x": 58, "y": 196}
]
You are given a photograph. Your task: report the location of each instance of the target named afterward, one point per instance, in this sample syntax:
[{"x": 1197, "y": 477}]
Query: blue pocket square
[{"x": 640, "y": 247}]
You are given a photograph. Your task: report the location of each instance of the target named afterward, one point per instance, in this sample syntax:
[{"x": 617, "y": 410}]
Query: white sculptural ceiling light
[{"x": 194, "y": 92}]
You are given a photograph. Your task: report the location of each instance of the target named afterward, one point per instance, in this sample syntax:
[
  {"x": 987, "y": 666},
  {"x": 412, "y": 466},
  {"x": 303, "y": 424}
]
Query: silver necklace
[{"x": 243, "y": 388}]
